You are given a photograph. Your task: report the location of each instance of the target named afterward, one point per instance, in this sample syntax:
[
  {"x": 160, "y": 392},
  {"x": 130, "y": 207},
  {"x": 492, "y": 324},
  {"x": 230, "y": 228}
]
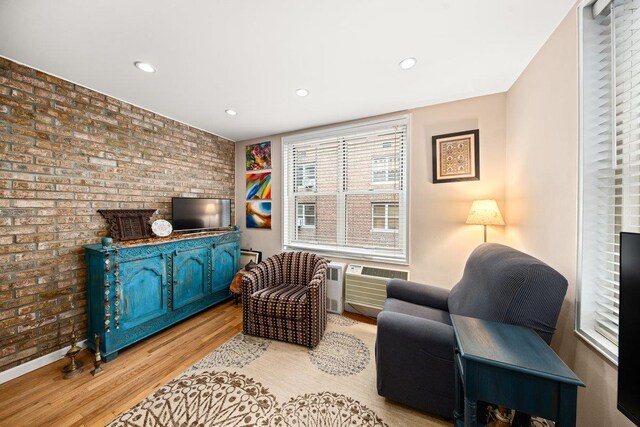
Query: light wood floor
[{"x": 44, "y": 398}]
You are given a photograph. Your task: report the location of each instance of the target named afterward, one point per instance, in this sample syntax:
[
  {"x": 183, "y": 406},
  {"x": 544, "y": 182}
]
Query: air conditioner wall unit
[
  {"x": 367, "y": 286},
  {"x": 335, "y": 287}
]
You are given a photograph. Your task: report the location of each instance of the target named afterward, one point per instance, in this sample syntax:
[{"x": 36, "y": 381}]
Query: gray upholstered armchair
[
  {"x": 284, "y": 298},
  {"x": 414, "y": 345}
]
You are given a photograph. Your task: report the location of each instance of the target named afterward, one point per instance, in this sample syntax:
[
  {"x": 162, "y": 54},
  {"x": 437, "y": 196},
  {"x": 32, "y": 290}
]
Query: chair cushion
[
  {"x": 399, "y": 306},
  {"x": 284, "y": 301}
]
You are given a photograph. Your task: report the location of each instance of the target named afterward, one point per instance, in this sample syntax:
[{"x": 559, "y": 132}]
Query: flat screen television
[
  {"x": 629, "y": 328},
  {"x": 198, "y": 214}
]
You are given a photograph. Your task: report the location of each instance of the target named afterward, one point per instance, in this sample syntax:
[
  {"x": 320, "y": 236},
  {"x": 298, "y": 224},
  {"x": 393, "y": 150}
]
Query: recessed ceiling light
[
  {"x": 407, "y": 63},
  {"x": 147, "y": 68},
  {"x": 302, "y": 92},
  {"x": 231, "y": 112}
]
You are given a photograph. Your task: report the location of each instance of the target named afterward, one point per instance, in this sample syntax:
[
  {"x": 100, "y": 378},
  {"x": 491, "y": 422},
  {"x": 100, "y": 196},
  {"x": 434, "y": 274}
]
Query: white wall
[
  {"x": 542, "y": 200},
  {"x": 439, "y": 240}
]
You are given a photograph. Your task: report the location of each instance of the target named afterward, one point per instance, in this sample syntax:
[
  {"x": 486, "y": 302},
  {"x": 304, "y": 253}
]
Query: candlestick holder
[
  {"x": 75, "y": 366},
  {"x": 97, "y": 362}
]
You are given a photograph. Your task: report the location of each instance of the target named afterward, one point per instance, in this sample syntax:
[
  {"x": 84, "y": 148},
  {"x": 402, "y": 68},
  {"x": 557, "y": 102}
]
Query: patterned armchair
[{"x": 284, "y": 298}]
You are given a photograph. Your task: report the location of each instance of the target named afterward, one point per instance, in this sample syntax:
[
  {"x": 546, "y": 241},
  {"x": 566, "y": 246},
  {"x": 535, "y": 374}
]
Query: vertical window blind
[
  {"x": 610, "y": 161},
  {"x": 343, "y": 172}
]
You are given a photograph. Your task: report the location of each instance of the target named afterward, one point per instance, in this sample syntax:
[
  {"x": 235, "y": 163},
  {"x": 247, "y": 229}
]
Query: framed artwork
[
  {"x": 247, "y": 255},
  {"x": 258, "y": 156},
  {"x": 258, "y": 214},
  {"x": 258, "y": 185},
  {"x": 456, "y": 156}
]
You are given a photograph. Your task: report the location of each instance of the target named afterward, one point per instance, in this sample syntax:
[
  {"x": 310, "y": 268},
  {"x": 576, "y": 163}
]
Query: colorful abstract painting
[
  {"x": 259, "y": 185},
  {"x": 258, "y": 156},
  {"x": 259, "y": 215}
]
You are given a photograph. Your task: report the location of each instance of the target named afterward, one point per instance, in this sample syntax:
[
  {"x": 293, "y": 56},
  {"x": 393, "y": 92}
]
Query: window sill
[
  {"x": 603, "y": 346},
  {"x": 383, "y": 230},
  {"x": 355, "y": 254}
]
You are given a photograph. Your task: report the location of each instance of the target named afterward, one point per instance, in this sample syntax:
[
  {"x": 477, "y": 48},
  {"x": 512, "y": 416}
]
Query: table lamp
[{"x": 485, "y": 212}]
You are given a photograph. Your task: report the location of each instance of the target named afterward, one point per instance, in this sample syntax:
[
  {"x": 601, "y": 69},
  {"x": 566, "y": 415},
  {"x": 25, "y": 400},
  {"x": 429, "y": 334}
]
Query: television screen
[
  {"x": 628, "y": 348},
  {"x": 197, "y": 214}
]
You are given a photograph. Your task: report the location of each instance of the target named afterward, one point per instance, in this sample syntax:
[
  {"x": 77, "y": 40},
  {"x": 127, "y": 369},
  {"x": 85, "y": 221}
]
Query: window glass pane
[
  {"x": 393, "y": 223},
  {"x": 378, "y": 223},
  {"x": 378, "y": 210},
  {"x": 393, "y": 211}
]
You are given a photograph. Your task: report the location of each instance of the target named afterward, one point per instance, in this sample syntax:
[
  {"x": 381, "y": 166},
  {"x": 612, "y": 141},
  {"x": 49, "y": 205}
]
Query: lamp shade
[{"x": 485, "y": 212}]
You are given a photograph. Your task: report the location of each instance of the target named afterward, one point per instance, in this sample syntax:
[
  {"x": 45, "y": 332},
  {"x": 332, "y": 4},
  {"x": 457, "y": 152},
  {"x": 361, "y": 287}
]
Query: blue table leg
[
  {"x": 470, "y": 412},
  {"x": 458, "y": 411},
  {"x": 567, "y": 405}
]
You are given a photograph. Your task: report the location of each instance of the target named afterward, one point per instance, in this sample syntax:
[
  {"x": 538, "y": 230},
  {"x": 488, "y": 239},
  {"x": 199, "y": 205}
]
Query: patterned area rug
[{"x": 251, "y": 381}]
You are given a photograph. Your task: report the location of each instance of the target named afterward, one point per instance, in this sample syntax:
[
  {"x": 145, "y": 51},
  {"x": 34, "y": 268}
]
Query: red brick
[
  {"x": 16, "y": 84},
  {"x": 33, "y": 238},
  {"x": 5, "y": 361}
]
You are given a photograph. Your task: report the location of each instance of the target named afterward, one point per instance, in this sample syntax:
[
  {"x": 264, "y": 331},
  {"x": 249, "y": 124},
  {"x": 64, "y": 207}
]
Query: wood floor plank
[{"x": 44, "y": 398}]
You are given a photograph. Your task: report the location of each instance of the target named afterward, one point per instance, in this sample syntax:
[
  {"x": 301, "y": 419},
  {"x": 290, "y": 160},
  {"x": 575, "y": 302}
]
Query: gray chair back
[{"x": 505, "y": 285}]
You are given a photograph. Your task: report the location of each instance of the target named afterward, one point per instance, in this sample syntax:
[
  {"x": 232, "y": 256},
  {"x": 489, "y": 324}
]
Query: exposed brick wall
[{"x": 66, "y": 151}]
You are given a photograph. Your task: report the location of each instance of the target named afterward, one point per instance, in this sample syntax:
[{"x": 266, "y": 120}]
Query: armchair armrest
[
  {"x": 418, "y": 293},
  {"x": 317, "y": 286},
  {"x": 261, "y": 276},
  {"x": 398, "y": 331},
  {"x": 319, "y": 275}
]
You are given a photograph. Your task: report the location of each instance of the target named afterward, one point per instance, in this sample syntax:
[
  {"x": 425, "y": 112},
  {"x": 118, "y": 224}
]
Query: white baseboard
[{"x": 34, "y": 364}]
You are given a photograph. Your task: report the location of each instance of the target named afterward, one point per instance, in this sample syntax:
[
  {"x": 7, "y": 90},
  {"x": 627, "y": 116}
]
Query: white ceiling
[{"x": 251, "y": 55}]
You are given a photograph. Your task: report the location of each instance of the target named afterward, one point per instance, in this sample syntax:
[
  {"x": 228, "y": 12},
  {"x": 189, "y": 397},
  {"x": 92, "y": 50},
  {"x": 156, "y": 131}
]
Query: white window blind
[
  {"x": 610, "y": 161},
  {"x": 384, "y": 170},
  {"x": 348, "y": 176}
]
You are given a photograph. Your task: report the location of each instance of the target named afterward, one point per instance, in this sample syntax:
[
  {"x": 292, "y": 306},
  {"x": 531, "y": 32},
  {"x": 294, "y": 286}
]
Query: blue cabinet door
[
  {"x": 225, "y": 265},
  {"x": 190, "y": 277},
  {"x": 143, "y": 293}
]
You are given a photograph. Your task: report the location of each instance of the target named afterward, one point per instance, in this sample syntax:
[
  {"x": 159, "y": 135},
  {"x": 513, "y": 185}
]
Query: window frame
[
  {"x": 399, "y": 256},
  {"x": 305, "y": 215},
  {"x": 386, "y": 217},
  {"x": 305, "y": 167},
  {"x": 584, "y": 317}
]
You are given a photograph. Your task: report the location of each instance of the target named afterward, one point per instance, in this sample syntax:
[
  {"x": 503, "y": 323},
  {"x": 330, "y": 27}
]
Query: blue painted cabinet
[
  {"x": 190, "y": 276},
  {"x": 160, "y": 284},
  {"x": 143, "y": 293},
  {"x": 227, "y": 256}
]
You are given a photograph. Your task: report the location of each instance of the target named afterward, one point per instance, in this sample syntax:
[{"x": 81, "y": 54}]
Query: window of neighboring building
[
  {"x": 609, "y": 162},
  {"x": 384, "y": 170},
  {"x": 384, "y": 216},
  {"x": 341, "y": 164},
  {"x": 306, "y": 177},
  {"x": 306, "y": 215}
]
